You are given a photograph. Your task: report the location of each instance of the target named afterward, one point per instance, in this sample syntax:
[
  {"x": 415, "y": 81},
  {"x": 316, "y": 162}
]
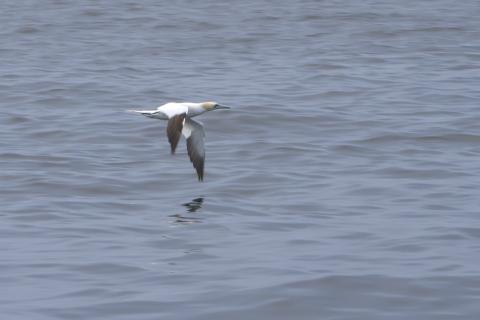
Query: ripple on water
[{"x": 342, "y": 183}]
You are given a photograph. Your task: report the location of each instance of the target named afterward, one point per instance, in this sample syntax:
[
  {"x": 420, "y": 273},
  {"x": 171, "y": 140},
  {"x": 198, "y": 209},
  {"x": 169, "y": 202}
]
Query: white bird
[{"x": 179, "y": 116}]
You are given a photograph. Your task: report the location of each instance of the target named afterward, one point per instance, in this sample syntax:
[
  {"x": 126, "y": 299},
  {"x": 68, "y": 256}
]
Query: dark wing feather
[
  {"x": 196, "y": 158},
  {"x": 195, "y": 134},
  {"x": 174, "y": 130}
]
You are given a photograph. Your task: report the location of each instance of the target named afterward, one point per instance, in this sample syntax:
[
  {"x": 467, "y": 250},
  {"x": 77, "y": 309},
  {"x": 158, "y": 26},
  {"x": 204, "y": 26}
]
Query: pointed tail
[
  {"x": 146, "y": 113},
  {"x": 135, "y": 111}
]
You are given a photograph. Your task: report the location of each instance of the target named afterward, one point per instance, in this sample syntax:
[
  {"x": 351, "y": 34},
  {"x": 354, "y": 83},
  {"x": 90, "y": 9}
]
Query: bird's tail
[
  {"x": 146, "y": 113},
  {"x": 136, "y": 111}
]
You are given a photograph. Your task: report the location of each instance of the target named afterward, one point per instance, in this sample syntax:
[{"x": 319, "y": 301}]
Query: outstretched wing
[
  {"x": 174, "y": 130},
  {"x": 176, "y": 113},
  {"x": 194, "y": 133}
]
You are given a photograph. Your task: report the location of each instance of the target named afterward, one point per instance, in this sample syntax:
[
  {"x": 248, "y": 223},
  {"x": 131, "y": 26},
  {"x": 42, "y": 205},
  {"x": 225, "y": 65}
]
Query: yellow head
[{"x": 212, "y": 105}]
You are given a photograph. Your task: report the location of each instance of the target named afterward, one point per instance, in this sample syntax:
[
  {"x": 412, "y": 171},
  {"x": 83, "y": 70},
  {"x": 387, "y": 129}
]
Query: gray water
[{"x": 344, "y": 183}]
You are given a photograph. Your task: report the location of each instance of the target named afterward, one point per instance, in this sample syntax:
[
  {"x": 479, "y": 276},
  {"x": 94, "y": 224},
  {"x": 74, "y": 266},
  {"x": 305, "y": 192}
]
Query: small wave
[
  {"x": 395, "y": 138},
  {"x": 28, "y": 30}
]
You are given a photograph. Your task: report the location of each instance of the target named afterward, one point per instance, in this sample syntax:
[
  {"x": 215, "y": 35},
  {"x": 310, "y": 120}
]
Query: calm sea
[{"x": 344, "y": 183}]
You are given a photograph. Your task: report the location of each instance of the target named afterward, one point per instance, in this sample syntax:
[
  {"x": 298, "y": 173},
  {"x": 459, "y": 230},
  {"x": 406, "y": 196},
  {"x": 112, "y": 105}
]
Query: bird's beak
[{"x": 219, "y": 106}]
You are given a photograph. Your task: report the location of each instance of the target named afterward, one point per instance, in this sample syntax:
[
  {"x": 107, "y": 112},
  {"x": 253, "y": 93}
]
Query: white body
[
  {"x": 179, "y": 116},
  {"x": 166, "y": 111}
]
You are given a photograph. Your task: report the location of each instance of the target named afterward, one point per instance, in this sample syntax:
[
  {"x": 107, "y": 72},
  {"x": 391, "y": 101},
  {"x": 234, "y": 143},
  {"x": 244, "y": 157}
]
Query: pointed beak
[{"x": 219, "y": 106}]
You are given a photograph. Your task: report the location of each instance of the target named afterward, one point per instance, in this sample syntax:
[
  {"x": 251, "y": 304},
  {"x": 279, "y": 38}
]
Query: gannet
[{"x": 179, "y": 116}]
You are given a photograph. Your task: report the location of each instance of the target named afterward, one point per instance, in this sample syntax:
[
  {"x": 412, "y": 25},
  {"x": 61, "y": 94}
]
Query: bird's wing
[
  {"x": 176, "y": 113},
  {"x": 174, "y": 130},
  {"x": 194, "y": 133}
]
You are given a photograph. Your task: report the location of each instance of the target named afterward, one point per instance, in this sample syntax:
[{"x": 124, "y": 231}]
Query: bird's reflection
[{"x": 192, "y": 207}]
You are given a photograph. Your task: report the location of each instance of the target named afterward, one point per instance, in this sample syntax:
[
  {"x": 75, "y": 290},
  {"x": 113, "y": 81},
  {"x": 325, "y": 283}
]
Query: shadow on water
[{"x": 192, "y": 207}]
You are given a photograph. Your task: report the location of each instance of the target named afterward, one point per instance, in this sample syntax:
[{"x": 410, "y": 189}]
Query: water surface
[{"x": 343, "y": 184}]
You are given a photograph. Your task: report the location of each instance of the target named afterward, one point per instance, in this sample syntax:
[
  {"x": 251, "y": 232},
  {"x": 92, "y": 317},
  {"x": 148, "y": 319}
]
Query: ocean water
[{"x": 344, "y": 183}]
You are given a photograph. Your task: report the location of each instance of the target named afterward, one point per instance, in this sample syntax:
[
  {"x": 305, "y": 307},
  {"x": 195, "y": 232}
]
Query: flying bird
[{"x": 179, "y": 116}]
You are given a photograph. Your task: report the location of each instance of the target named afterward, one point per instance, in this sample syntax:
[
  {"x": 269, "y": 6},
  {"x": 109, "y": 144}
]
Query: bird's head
[{"x": 211, "y": 105}]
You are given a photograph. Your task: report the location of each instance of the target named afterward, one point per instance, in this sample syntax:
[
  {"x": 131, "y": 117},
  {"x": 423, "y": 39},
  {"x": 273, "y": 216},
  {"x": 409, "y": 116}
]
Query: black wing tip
[
  {"x": 200, "y": 175},
  {"x": 173, "y": 147}
]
